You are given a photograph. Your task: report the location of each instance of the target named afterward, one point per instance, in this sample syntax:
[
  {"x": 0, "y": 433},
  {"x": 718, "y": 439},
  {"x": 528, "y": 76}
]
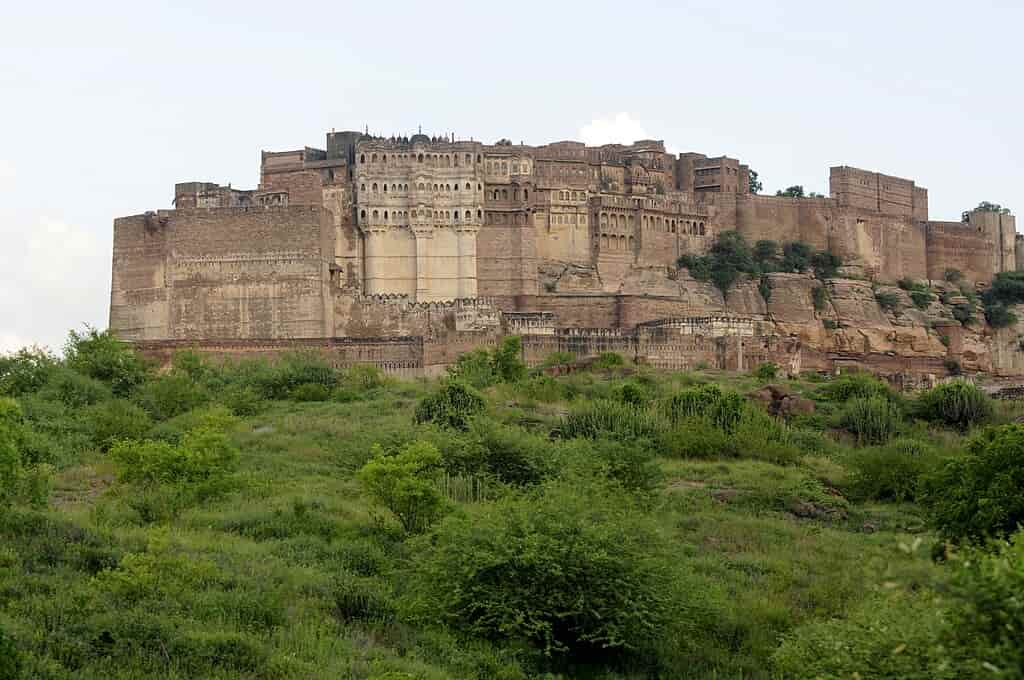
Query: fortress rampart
[{"x": 447, "y": 244}]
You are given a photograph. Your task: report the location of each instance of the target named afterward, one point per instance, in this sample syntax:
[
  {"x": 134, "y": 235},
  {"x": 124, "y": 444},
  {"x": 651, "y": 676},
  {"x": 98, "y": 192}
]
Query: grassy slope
[{"x": 265, "y": 557}]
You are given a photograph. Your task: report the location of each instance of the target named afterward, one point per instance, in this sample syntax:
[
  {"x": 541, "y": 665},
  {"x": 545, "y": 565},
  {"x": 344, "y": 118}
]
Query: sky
[{"x": 105, "y": 105}]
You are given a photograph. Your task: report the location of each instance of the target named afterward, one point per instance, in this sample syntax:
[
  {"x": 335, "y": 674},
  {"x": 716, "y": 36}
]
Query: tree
[
  {"x": 754, "y": 182},
  {"x": 102, "y": 356},
  {"x": 986, "y": 206},
  {"x": 795, "y": 191},
  {"x": 405, "y": 482}
]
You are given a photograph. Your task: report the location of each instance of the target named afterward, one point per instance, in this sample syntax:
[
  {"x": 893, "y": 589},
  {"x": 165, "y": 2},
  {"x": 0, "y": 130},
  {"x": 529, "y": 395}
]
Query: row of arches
[
  {"x": 421, "y": 186},
  {"x": 654, "y": 222},
  {"x": 503, "y": 167},
  {"x": 402, "y": 216},
  {"x": 616, "y": 242},
  {"x": 445, "y": 160},
  {"x": 502, "y": 194}
]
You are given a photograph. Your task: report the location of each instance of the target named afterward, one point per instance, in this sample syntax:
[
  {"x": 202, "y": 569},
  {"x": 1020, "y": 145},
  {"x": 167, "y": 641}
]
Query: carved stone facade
[{"x": 454, "y": 242}]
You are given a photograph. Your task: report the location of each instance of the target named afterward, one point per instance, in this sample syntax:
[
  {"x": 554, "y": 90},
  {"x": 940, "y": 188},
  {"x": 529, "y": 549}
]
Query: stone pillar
[
  {"x": 370, "y": 264},
  {"x": 466, "y": 236},
  {"x": 423, "y": 234}
]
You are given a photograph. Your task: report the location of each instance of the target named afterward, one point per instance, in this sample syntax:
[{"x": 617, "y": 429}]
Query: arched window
[
  {"x": 469, "y": 158},
  {"x": 479, "y": 158},
  {"x": 479, "y": 214},
  {"x": 447, "y": 161},
  {"x": 362, "y": 187},
  {"x": 362, "y": 158},
  {"x": 456, "y": 212},
  {"x": 373, "y": 158},
  {"x": 385, "y": 215},
  {"x": 362, "y": 215},
  {"x": 701, "y": 228},
  {"x": 631, "y": 243},
  {"x": 604, "y": 220},
  {"x": 447, "y": 187},
  {"x": 468, "y": 187},
  {"x": 479, "y": 187},
  {"x": 375, "y": 214},
  {"x": 526, "y": 194},
  {"x": 622, "y": 243},
  {"x": 385, "y": 188},
  {"x": 419, "y": 159},
  {"x": 604, "y": 241},
  {"x": 504, "y": 194},
  {"x": 374, "y": 187}
]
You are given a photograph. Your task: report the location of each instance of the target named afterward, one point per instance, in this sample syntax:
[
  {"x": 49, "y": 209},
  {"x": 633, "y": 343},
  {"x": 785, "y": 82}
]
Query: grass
[{"x": 293, "y": 574}]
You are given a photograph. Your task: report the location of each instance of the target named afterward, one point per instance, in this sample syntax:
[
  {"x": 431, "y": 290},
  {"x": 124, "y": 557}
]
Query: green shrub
[
  {"x": 952, "y": 367},
  {"x": 543, "y": 388},
  {"x": 978, "y": 495},
  {"x": 892, "y": 636},
  {"x": 205, "y": 455},
  {"x": 508, "y": 365},
  {"x": 573, "y": 572},
  {"x": 766, "y": 371},
  {"x": 953, "y": 275},
  {"x": 906, "y": 283},
  {"x": 854, "y": 385},
  {"x": 612, "y": 419},
  {"x": 73, "y": 389},
  {"x": 242, "y": 400},
  {"x": 558, "y": 358},
  {"x": 25, "y": 371},
  {"x": 475, "y": 369},
  {"x": 964, "y": 313},
  {"x": 887, "y": 301},
  {"x": 101, "y": 356},
  {"x": 405, "y": 482},
  {"x": 10, "y": 658},
  {"x": 922, "y": 298},
  {"x": 873, "y": 420},
  {"x": 276, "y": 380},
  {"x": 116, "y": 419},
  {"x": 634, "y": 393},
  {"x": 365, "y": 377},
  {"x": 310, "y": 392},
  {"x": 630, "y": 463},
  {"x": 819, "y": 297},
  {"x": 829, "y": 324},
  {"x": 452, "y": 405},
  {"x": 170, "y": 395},
  {"x": 723, "y": 409},
  {"x": 999, "y": 316},
  {"x": 361, "y": 600},
  {"x": 608, "y": 360},
  {"x": 764, "y": 287},
  {"x": 957, "y": 403},
  {"x": 986, "y": 623},
  {"x": 892, "y": 472}
]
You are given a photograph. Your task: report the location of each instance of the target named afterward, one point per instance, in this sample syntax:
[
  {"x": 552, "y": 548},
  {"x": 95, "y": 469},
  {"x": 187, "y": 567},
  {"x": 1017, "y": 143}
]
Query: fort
[{"x": 406, "y": 251}]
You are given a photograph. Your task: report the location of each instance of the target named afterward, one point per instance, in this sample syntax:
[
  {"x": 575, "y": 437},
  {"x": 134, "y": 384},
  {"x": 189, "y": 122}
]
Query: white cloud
[{"x": 618, "y": 129}]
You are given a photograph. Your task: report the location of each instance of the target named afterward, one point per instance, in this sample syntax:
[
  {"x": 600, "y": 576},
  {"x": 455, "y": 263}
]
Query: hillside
[{"x": 292, "y": 521}]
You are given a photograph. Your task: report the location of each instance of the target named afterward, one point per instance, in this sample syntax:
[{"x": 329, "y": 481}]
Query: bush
[
  {"x": 999, "y": 316},
  {"x": 105, "y": 358},
  {"x": 829, "y": 324},
  {"x": 608, "y": 360},
  {"x": 964, "y": 313},
  {"x": 204, "y": 456},
  {"x": 405, "y": 482},
  {"x": 957, "y": 403},
  {"x": 921, "y": 298},
  {"x": 873, "y": 420},
  {"x": 952, "y": 367},
  {"x": 723, "y": 409},
  {"x": 73, "y": 389},
  {"x": 115, "y": 419},
  {"x": 452, "y": 405},
  {"x": 854, "y": 385},
  {"x": 170, "y": 395},
  {"x": 894, "y": 636},
  {"x": 25, "y": 371},
  {"x": 20, "y": 479},
  {"x": 558, "y": 359},
  {"x": 10, "y": 658},
  {"x": 986, "y": 625},
  {"x": 953, "y": 275},
  {"x": 631, "y": 463},
  {"x": 242, "y": 400},
  {"x": 978, "y": 495},
  {"x": 361, "y": 600},
  {"x": 887, "y": 301},
  {"x": 482, "y": 368},
  {"x": 365, "y": 377},
  {"x": 819, "y": 297},
  {"x": 891, "y": 472},
  {"x": 277, "y": 380},
  {"x": 766, "y": 371},
  {"x": 611, "y": 419},
  {"x": 310, "y": 392},
  {"x": 573, "y": 572}
]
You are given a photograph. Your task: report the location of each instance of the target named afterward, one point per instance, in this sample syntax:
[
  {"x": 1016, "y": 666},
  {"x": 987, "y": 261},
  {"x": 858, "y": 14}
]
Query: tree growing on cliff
[
  {"x": 795, "y": 191},
  {"x": 986, "y": 206}
]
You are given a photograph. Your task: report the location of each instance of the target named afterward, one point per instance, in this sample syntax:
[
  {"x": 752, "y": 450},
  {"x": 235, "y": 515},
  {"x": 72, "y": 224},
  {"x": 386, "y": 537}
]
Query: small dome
[{"x": 420, "y": 138}]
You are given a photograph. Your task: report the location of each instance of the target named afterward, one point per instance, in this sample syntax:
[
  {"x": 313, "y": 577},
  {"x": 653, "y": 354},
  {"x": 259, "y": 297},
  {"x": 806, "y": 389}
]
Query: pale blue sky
[{"x": 104, "y": 105}]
